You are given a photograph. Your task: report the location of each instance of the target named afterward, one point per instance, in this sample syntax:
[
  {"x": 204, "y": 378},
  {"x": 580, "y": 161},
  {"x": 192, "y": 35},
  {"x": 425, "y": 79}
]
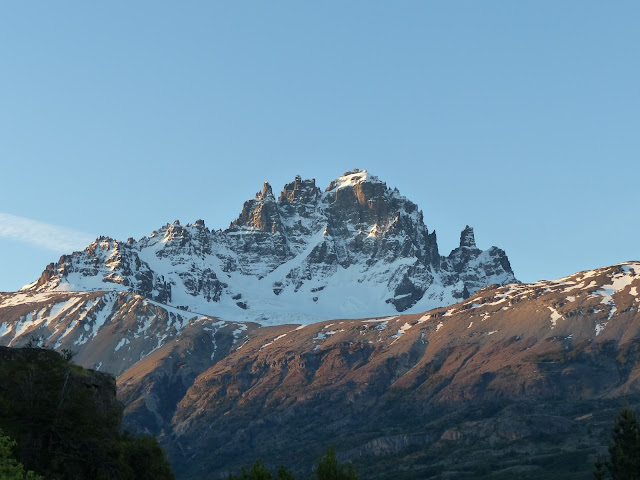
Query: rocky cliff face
[{"x": 358, "y": 248}]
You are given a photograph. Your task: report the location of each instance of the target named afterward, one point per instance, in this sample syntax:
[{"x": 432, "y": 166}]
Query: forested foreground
[{"x": 61, "y": 421}]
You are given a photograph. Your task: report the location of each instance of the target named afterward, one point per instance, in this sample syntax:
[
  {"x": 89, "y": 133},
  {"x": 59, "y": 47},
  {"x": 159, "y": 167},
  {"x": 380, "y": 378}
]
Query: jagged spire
[
  {"x": 266, "y": 190},
  {"x": 467, "y": 239}
]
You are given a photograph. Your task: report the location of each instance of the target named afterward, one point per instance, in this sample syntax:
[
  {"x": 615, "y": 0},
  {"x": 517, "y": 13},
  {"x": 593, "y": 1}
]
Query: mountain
[
  {"x": 357, "y": 249},
  {"x": 520, "y": 380},
  {"x": 422, "y": 366}
]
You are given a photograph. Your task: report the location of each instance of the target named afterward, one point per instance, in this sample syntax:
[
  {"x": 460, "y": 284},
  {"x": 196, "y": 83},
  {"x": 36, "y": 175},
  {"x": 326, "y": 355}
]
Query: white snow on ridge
[
  {"x": 354, "y": 177},
  {"x": 25, "y": 298},
  {"x": 376, "y": 320},
  {"x": 274, "y": 340},
  {"x": 630, "y": 267},
  {"x": 619, "y": 283}
]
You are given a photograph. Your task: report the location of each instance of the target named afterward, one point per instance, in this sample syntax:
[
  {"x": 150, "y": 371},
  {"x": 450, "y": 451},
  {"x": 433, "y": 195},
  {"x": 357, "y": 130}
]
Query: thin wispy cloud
[{"x": 43, "y": 235}]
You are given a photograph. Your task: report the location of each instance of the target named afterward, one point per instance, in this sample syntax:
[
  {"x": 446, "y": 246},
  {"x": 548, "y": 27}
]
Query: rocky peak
[
  {"x": 351, "y": 178},
  {"x": 300, "y": 191},
  {"x": 467, "y": 238},
  {"x": 355, "y": 186},
  {"x": 267, "y": 191},
  {"x": 175, "y": 233},
  {"x": 103, "y": 243},
  {"x": 260, "y": 213}
]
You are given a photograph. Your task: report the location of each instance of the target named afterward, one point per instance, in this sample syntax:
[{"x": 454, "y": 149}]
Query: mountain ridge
[{"x": 358, "y": 248}]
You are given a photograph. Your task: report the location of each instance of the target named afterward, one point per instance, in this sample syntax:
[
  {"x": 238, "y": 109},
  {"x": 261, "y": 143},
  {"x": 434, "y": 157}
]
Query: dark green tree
[
  {"x": 284, "y": 474},
  {"x": 258, "y": 471},
  {"x": 598, "y": 472},
  {"x": 62, "y": 429},
  {"x": 10, "y": 468},
  {"x": 624, "y": 450},
  {"x": 142, "y": 458},
  {"x": 328, "y": 468}
]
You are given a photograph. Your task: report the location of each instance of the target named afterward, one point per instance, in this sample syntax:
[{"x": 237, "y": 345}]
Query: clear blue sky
[{"x": 518, "y": 118}]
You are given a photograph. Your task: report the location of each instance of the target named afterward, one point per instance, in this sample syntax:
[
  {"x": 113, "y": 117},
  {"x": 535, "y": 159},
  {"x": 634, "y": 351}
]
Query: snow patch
[
  {"x": 352, "y": 178},
  {"x": 325, "y": 335},
  {"x": 59, "y": 310},
  {"x": 401, "y": 332},
  {"x": 103, "y": 313},
  {"x": 274, "y": 340},
  {"x": 619, "y": 283},
  {"x": 377, "y": 320},
  {"x": 121, "y": 344},
  {"x": 555, "y": 316}
]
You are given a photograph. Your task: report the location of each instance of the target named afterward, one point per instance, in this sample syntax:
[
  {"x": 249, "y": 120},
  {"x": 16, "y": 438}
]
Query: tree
[
  {"x": 142, "y": 458},
  {"x": 284, "y": 474},
  {"x": 10, "y": 468},
  {"x": 624, "y": 450},
  {"x": 258, "y": 471},
  {"x": 598, "y": 472},
  {"x": 328, "y": 468}
]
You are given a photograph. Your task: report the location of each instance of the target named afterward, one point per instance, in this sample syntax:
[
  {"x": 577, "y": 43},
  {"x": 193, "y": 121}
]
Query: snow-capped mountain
[{"x": 359, "y": 248}]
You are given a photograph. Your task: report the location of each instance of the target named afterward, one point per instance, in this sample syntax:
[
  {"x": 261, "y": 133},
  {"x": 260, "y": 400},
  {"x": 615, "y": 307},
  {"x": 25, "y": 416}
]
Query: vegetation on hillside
[
  {"x": 65, "y": 421},
  {"x": 623, "y": 462},
  {"x": 327, "y": 468},
  {"x": 10, "y": 467}
]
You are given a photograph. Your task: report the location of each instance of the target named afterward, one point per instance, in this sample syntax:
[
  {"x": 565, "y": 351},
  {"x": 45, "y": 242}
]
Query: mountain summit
[{"x": 359, "y": 248}]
